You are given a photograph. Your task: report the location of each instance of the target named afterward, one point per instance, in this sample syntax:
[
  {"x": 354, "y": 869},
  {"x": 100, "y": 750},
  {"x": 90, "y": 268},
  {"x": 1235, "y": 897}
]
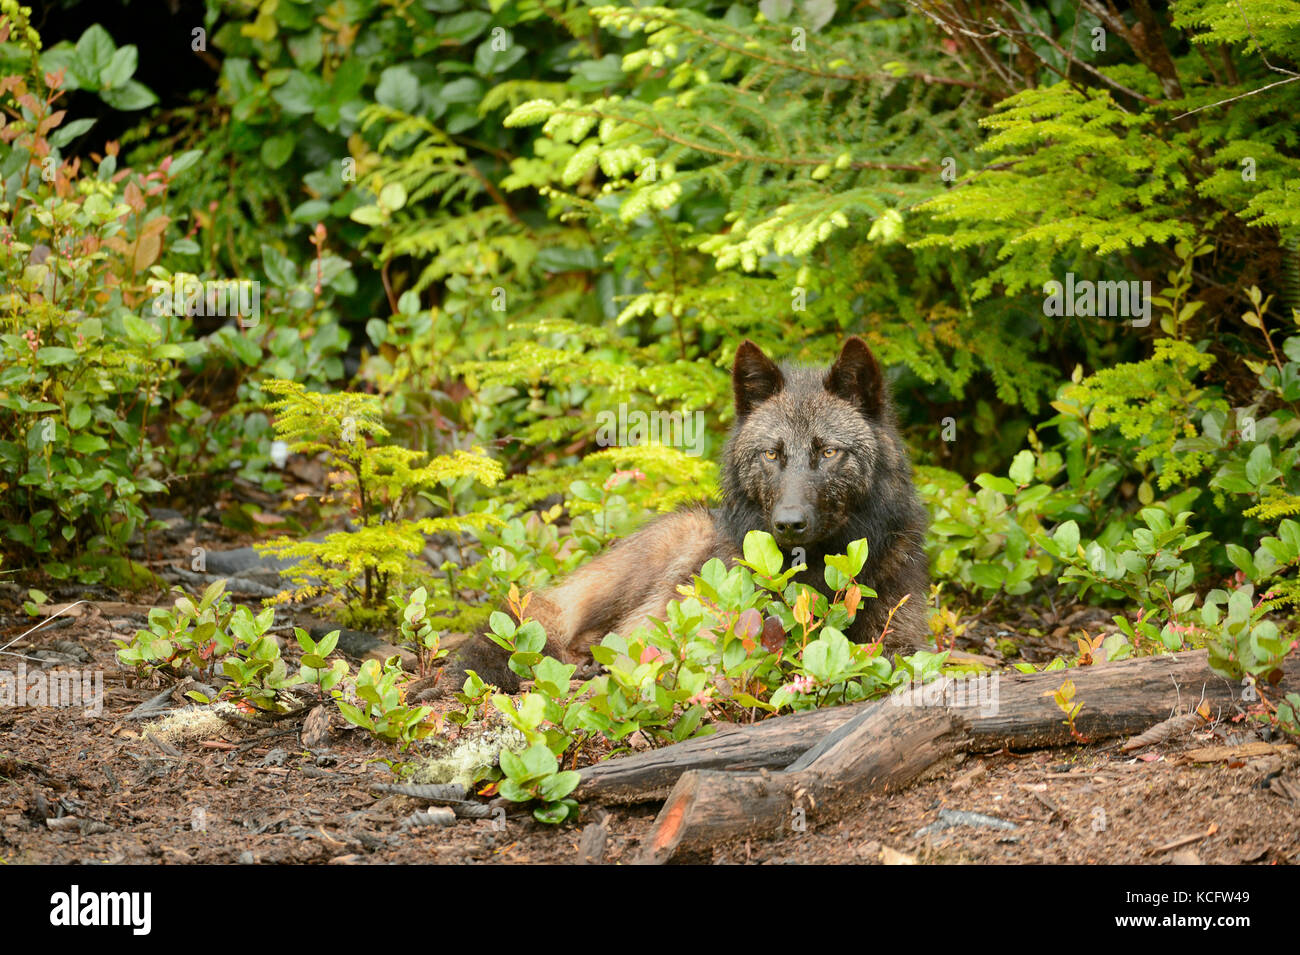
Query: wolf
[{"x": 814, "y": 458}]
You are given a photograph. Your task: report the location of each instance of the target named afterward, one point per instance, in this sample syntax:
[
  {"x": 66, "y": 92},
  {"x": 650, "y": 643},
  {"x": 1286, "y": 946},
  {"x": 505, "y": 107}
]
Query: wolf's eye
[
  {"x": 770, "y": 455},
  {"x": 830, "y": 452}
]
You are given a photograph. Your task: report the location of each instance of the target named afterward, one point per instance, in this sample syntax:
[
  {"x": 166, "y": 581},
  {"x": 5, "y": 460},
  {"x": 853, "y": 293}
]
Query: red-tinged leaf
[
  {"x": 852, "y": 598},
  {"x": 773, "y": 635},
  {"x": 134, "y": 197}
]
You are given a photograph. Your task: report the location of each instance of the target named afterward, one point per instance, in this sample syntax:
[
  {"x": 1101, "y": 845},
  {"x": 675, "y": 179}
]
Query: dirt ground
[{"x": 82, "y": 789}]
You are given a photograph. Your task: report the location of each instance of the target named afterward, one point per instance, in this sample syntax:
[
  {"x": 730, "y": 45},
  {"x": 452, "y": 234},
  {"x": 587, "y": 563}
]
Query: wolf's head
[{"x": 809, "y": 444}]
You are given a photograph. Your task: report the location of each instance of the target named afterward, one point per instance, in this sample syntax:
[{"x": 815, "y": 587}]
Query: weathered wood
[
  {"x": 889, "y": 744},
  {"x": 1138, "y": 694},
  {"x": 771, "y": 744},
  {"x": 876, "y": 751}
]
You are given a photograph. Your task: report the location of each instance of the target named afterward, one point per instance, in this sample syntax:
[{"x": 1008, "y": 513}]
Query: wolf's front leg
[{"x": 616, "y": 591}]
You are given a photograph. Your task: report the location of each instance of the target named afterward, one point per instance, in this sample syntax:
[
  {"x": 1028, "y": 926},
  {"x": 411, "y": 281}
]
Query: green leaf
[
  {"x": 133, "y": 95},
  {"x": 277, "y": 149},
  {"x": 392, "y": 196},
  {"x": 463, "y": 27},
  {"x": 512, "y": 765},
  {"x": 857, "y": 554},
  {"x": 302, "y": 93},
  {"x": 993, "y": 483},
  {"x": 349, "y": 79},
  {"x": 761, "y": 551},
  {"x": 121, "y": 67},
  {"x": 1066, "y": 537},
  {"x": 139, "y": 329},
  {"x": 95, "y": 50},
  {"x": 988, "y": 576},
  {"x": 398, "y": 89},
  {"x": 55, "y": 355},
  {"x": 497, "y": 53},
  {"x": 367, "y": 215},
  {"x": 88, "y": 443},
  {"x": 555, "y": 787},
  {"x": 553, "y": 677},
  {"x": 1022, "y": 467},
  {"x": 775, "y": 10},
  {"x": 502, "y": 625},
  {"x": 554, "y": 813},
  {"x": 279, "y": 269},
  {"x": 358, "y": 718},
  {"x": 1259, "y": 464},
  {"x": 66, "y": 134},
  {"x": 539, "y": 761}
]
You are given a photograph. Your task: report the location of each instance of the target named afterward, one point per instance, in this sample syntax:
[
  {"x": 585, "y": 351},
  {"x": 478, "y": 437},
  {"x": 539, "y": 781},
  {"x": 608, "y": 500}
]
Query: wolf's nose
[{"x": 790, "y": 523}]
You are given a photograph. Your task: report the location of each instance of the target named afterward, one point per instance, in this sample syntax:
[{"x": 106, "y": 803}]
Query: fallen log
[
  {"x": 1149, "y": 686},
  {"x": 888, "y": 744},
  {"x": 771, "y": 744}
]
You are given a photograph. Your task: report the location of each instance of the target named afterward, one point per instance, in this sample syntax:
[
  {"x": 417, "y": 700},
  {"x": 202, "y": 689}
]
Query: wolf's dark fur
[{"x": 815, "y": 459}]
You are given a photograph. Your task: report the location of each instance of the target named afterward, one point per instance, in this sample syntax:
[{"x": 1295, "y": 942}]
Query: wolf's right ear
[
  {"x": 856, "y": 377},
  {"x": 754, "y": 378}
]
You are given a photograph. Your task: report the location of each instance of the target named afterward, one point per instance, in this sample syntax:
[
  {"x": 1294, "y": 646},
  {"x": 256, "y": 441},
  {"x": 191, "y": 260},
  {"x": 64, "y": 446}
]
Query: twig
[{"x": 43, "y": 623}]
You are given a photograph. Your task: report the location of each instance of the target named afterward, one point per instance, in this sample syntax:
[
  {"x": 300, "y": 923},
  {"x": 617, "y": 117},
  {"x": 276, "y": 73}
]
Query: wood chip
[
  {"x": 1045, "y": 799},
  {"x": 1233, "y": 754},
  {"x": 969, "y": 777},
  {"x": 1185, "y": 841},
  {"x": 73, "y": 609},
  {"x": 1287, "y": 790}
]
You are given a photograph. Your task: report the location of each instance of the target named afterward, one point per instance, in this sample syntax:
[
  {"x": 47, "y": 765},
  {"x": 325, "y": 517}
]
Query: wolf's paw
[{"x": 484, "y": 658}]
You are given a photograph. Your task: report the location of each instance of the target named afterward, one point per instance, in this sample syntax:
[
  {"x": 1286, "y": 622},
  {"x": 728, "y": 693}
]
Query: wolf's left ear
[
  {"x": 754, "y": 378},
  {"x": 856, "y": 377}
]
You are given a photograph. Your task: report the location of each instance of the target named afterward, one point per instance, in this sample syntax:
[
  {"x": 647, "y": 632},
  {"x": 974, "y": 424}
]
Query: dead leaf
[{"x": 1164, "y": 730}]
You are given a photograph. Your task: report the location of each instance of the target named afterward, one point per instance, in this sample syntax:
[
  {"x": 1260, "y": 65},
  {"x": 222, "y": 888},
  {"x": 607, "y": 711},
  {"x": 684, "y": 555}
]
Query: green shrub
[
  {"x": 216, "y": 639},
  {"x": 378, "y": 486},
  {"x": 84, "y": 380},
  {"x": 742, "y": 643}
]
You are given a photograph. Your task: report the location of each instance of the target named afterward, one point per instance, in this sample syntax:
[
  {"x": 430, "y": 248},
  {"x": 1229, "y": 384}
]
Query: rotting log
[
  {"x": 888, "y": 744},
  {"x": 771, "y": 744},
  {"x": 1150, "y": 687}
]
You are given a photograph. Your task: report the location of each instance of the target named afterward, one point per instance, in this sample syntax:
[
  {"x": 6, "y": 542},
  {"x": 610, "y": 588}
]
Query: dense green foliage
[{"x": 494, "y": 224}]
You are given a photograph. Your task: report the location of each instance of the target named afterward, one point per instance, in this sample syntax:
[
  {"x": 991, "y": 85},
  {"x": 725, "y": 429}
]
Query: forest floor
[{"x": 79, "y": 788}]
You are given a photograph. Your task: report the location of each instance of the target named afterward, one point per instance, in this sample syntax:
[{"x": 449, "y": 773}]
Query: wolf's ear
[
  {"x": 754, "y": 378},
  {"x": 856, "y": 378}
]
